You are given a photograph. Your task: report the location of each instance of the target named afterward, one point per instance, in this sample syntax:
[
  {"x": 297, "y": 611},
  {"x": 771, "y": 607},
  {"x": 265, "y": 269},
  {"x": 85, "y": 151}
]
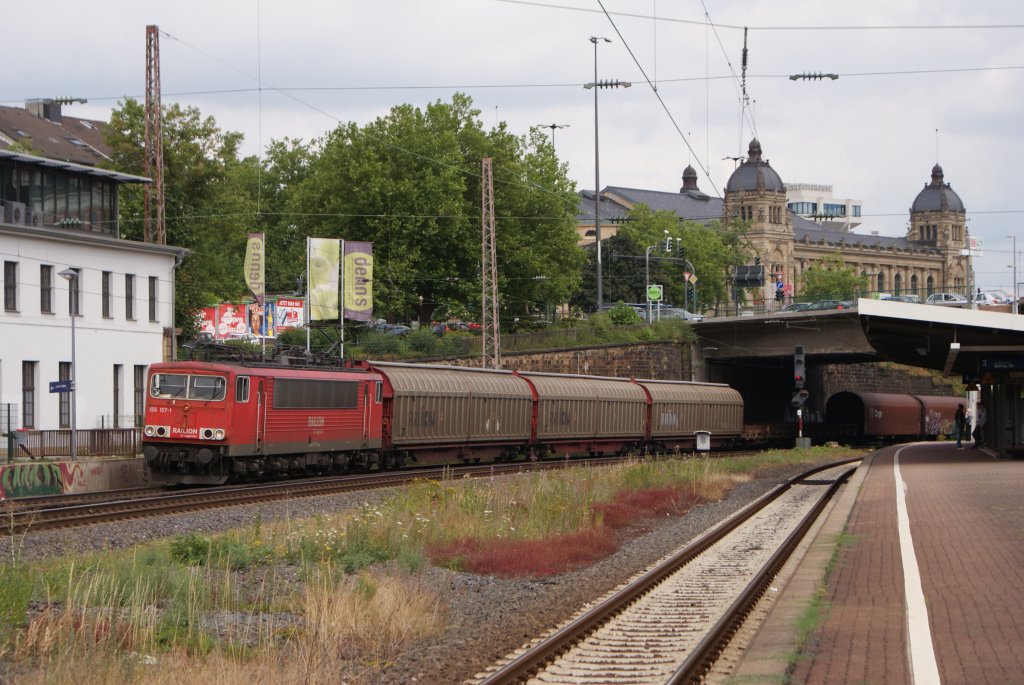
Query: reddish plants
[{"x": 561, "y": 553}]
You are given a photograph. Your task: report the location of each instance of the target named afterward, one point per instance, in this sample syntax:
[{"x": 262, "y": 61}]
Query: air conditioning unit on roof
[
  {"x": 33, "y": 217},
  {"x": 14, "y": 213}
]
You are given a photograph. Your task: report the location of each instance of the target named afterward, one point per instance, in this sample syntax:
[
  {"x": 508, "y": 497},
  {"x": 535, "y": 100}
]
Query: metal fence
[{"x": 100, "y": 442}]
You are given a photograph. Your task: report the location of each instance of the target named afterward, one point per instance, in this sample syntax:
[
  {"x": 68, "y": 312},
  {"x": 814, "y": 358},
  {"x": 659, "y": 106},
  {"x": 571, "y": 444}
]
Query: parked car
[
  {"x": 797, "y": 306},
  {"x": 948, "y": 299},
  {"x": 821, "y": 305},
  {"x": 677, "y": 313},
  {"x": 913, "y": 299},
  {"x": 992, "y": 297}
]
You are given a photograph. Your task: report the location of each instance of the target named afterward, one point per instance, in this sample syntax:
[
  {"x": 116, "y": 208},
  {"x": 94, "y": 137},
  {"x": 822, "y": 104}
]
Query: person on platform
[
  {"x": 979, "y": 426},
  {"x": 959, "y": 425}
]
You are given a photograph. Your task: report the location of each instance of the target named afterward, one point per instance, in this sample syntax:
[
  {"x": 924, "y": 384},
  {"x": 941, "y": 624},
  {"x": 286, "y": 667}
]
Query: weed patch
[{"x": 536, "y": 558}]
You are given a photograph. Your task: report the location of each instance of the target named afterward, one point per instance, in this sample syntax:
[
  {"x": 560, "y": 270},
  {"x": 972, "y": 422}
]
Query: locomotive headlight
[
  {"x": 150, "y": 431},
  {"x": 157, "y": 431},
  {"x": 212, "y": 433}
]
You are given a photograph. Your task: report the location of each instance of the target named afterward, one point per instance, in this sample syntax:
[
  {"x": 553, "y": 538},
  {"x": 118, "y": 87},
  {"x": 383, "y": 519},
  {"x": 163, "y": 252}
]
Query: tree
[
  {"x": 706, "y": 251},
  {"x": 830, "y": 279},
  {"x": 410, "y": 183},
  {"x": 208, "y": 206}
]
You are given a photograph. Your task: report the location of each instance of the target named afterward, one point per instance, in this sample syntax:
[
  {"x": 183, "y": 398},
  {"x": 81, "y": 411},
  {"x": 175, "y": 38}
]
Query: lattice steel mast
[
  {"x": 491, "y": 347},
  {"x": 153, "y": 193}
]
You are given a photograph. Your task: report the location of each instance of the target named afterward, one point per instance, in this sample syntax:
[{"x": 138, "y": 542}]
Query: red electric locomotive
[{"x": 211, "y": 422}]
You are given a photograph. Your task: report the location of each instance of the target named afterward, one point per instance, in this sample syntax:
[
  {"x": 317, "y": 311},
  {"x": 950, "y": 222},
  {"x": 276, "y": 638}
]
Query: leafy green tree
[
  {"x": 830, "y": 279},
  {"x": 410, "y": 183},
  {"x": 706, "y": 251},
  {"x": 208, "y": 208}
]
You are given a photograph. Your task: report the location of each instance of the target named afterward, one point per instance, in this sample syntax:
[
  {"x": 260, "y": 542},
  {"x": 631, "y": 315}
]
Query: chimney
[{"x": 45, "y": 109}]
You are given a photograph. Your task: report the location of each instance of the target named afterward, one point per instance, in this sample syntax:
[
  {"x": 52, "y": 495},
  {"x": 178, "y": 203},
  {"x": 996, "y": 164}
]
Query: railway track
[
  {"x": 52, "y": 513},
  {"x": 670, "y": 624}
]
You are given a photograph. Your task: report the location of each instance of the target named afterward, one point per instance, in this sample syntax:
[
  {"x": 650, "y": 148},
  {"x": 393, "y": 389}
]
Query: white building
[
  {"x": 59, "y": 216},
  {"x": 814, "y": 201}
]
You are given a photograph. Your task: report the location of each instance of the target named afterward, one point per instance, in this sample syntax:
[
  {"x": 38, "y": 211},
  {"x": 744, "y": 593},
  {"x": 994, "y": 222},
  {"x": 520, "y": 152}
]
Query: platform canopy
[{"x": 950, "y": 339}]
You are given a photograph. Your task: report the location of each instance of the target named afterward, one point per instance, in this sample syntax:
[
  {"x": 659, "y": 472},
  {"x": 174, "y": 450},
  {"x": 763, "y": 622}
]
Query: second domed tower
[{"x": 755, "y": 194}]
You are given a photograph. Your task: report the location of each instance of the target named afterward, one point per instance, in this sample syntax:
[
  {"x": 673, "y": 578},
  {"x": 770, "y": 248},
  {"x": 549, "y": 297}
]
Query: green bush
[{"x": 624, "y": 315}]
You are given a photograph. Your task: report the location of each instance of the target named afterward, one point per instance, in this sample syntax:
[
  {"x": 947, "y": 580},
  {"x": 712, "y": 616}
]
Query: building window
[
  {"x": 152, "y": 298},
  {"x": 46, "y": 289},
  {"x": 64, "y": 374},
  {"x": 856, "y": 210},
  {"x": 140, "y": 394},
  {"x": 807, "y": 208},
  {"x": 28, "y": 394},
  {"x": 108, "y": 296},
  {"x": 913, "y": 284},
  {"x": 930, "y": 285},
  {"x": 834, "y": 209},
  {"x": 74, "y": 294},
  {"x": 129, "y": 296},
  {"x": 117, "y": 395},
  {"x": 11, "y": 286},
  {"x": 897, "y": 283}
]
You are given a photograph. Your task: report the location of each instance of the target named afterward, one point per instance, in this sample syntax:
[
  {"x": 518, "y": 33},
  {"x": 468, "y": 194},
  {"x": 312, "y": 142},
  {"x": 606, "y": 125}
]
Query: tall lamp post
[
  {"x": 595, "y": 84},
  {"x": 1014, "y": 238},
  {"x": 553, "y": 127},
  {"x": 71, "y": 276}
]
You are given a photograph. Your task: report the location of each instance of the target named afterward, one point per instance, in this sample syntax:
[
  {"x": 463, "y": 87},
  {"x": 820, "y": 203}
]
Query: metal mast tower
[
  {"x": 153, "y": 193},
  {"x": 491, "y": 347}
]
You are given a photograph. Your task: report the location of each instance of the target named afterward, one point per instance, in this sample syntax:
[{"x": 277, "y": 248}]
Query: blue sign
[
  {"x": 62, "y": 386},
  {"x": 1002, "y": 363}
]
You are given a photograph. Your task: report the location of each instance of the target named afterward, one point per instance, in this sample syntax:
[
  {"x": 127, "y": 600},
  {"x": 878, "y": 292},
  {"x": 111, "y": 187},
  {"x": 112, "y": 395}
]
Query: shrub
[{"x": 624, "y": 315}]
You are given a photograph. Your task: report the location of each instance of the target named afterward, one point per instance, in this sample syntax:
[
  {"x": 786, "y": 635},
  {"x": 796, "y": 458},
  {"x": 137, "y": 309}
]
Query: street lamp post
[
  {"x": 647, "y": 279},
  {"x": 597, "y": 161},
  {"x": 553, "y": 127},
  {"x": 71, "y": 276},
  {"x": 1014, "y": 238}
]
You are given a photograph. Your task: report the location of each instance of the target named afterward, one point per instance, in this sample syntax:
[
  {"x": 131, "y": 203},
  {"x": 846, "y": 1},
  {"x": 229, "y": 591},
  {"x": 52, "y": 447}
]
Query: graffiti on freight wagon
[{"x": 30, "y": 480}]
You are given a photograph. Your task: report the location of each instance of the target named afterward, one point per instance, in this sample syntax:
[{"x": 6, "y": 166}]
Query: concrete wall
[{"x": 24, "y": 478}]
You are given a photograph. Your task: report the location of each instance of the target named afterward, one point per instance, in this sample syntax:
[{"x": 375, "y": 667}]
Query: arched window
[
  {"x": 930, "y": 285},
  {"x": 913, "y": 284},
  {"x": 897, "y": 283},
  {"x": 881, "y": 282}
]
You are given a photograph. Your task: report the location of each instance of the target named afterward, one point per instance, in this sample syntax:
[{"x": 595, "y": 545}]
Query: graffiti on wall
[{"x": 32, "y": 480}]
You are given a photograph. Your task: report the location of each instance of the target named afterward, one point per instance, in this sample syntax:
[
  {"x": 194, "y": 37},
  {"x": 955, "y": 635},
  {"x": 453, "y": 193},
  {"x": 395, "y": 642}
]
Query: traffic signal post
[{"x": 800, "y": 395}]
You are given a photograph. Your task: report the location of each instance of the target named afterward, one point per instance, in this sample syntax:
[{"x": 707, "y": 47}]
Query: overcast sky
[{"x": 920, "y": 81}]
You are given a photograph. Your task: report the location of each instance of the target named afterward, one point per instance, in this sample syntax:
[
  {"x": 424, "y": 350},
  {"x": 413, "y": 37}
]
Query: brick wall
[{"x": 663, "y": 361}]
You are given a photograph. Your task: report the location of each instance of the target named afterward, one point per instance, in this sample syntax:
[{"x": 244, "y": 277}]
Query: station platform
[
  {"x": 24, "y": 477},
  {"x": 915, "y": 577}
]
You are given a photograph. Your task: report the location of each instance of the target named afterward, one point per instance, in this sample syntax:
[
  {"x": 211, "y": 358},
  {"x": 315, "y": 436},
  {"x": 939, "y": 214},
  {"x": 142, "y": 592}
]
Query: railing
[{"x": 101, "y": 442}]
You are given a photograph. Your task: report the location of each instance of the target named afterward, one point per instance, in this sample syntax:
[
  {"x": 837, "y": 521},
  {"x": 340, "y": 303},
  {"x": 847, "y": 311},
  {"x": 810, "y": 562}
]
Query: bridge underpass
[{"x": 754, "y": 355}]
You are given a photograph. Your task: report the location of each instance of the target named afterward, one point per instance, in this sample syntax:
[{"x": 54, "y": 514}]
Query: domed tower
[
  {"x": 756, "y": 194},
  {"x": 938, "y": 219},
  {"x": 689, "y": 180}
]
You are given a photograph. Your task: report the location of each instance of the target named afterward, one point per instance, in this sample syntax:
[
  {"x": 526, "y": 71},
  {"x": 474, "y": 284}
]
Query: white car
[
  {"x": 949, "y": 299},
  {"x": 992, "y": 297}
]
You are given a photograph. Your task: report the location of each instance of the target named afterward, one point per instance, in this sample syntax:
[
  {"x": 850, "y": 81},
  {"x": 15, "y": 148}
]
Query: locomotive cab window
[
  {"x": 183, "y": 386},
  {"x": 209, "y": 388},
  {"x": 168, "y": 385},
  {"x": 242, "y": 389},
  {"x": 379, "y": 396}
]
